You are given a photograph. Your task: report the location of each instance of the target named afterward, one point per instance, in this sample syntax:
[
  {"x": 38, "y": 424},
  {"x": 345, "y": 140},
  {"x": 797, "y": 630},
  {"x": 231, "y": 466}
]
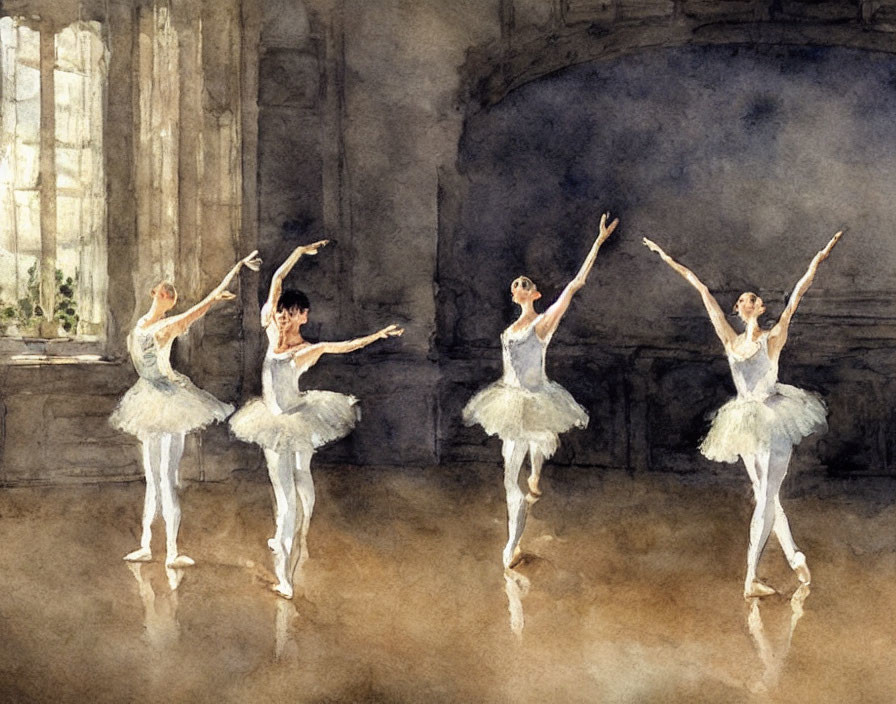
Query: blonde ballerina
[
  {"x": 164, "y": 405},
  {"x": 766, "y": 419},
  {"x": 524, "y": 408}
]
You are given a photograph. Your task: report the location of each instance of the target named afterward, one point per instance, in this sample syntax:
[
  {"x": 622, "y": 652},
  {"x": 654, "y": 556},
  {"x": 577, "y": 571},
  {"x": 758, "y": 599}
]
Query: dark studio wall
[
  {"x": 432, "y": 169},
  {"x": 446, "y": 148},
  {"x": 742, "y": 162},
  {"x": 356, "y": 110}
]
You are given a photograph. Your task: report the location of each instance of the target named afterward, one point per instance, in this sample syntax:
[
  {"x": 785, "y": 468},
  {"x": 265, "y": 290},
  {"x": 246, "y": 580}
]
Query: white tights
[
  {"x": 514, "y": 453},
  {"x": 767, "y": 470},
  {"x": 290, "y": 474},
  {"x": 161, "y": 459}
]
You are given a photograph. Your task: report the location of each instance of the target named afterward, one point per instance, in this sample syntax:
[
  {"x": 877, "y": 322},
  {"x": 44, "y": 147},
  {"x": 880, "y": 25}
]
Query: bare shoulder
[
  {"x": 307, "y": 354},
  {"x": 544, "y": 327}
]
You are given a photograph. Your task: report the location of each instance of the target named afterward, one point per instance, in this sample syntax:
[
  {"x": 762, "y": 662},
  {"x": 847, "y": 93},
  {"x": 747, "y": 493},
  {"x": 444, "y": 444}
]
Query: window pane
[
  {"x": 27, "y": 165},
  {"x": 80, "y": 265},
  {"x": 28, "y": 49},
  {"x": 69, "y": 54},
  {"x": 68, "y": 169},
  {"x": 80, "y": 203},
  {"x": 27, "y": 98},
  {"x": 19, "y": 169},
  {"x": 71, "y": 117},
  {"x": 27, "y": 246}
]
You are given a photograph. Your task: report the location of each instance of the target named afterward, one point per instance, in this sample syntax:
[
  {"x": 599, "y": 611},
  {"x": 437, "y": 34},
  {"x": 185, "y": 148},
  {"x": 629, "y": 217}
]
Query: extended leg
[
  {"x": 281, "y": 472},
  {"x": 305, "y": 488},
  {"x": 779, "y": 461},
  {"x": 514, "y": 454},
  {"x": 536, "y": 460},
  {"x": 171, "y": 450},
  {"x": 150, "y": 498},
  {"x": 760, "y": 526},
  {"x": 750, "y": 464}
]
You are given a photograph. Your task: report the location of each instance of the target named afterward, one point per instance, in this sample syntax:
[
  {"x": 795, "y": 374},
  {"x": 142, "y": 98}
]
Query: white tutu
[
  {"x": 168, "y": 406},
  {"x": 319, "y": 418},
  {"x": 518, "y": 414},
  {"x": 745, "y": 427}
]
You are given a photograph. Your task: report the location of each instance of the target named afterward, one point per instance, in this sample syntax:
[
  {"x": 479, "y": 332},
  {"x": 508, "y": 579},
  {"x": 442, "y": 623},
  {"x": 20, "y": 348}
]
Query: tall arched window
[{"x": 53, "y": 276}]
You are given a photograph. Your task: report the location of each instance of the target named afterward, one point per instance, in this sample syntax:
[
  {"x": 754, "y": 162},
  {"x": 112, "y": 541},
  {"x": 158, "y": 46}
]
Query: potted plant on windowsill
[{"x": 26, "y": 319}]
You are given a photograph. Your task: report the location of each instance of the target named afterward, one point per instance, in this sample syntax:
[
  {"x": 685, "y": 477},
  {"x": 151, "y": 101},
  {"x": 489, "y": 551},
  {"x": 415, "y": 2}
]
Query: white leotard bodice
[
  {"x": 152, "y": 361},
  {"x": 755, "y": 375},
  {"x": 280, "y": 379},
  {"x": 280, "y": 382},
  {"x": 523, "y": 354}
]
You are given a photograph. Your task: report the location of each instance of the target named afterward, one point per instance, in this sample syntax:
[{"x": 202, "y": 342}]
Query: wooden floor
[{"x": 630, "y": 591}]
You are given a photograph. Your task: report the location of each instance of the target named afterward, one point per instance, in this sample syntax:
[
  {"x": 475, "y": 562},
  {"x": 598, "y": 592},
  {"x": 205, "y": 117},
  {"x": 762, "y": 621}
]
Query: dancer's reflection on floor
[
  {"x": 284, "y": 630},
  {"x": 285, "y": 616},
  {"x": 516, "y": 586},
  {"x": 160, "y": 626},
  {"x": 773, "y": 656}
]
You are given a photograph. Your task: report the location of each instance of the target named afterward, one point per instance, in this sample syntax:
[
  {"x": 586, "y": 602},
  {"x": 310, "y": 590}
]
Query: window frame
[{"x": 19, "y": 348}]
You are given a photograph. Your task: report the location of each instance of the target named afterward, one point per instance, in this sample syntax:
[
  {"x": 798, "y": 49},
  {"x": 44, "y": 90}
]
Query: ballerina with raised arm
[
  {"x": 525, "y": 409},
  {"x": 164, "y": 405},
  {"x": 763, "y": 423},
  {"x": 290, "y": 424}
]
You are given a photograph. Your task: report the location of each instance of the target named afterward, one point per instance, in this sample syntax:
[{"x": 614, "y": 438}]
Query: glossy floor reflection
[{"x": 629, "y": 591}]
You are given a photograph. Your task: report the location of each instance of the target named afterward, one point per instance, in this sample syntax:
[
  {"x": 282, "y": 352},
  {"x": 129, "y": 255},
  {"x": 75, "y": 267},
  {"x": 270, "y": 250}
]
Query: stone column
[{"x": 48, "y": 327}]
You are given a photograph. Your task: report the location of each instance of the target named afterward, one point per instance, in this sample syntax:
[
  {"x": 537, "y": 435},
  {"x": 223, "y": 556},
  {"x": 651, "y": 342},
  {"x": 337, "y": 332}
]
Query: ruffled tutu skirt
[
  {"x": 321, "y": 417},
  {"x": 744, "y": 427},
  {"x": 171, "y": 406},
  {"x": 517, "y": 414}
]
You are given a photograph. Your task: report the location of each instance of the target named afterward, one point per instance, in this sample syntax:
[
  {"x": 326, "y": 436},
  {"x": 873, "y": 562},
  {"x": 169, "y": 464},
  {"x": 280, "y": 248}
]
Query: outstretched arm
[
  {"x": 310, "y": 354},
  {"x": 552, "y": 316},
  {"x": 277, "y": 281},
  {"x": 179, "y": 324},
  {"x": 778, "y": 334},
  {"x": 719, "y": 322}
]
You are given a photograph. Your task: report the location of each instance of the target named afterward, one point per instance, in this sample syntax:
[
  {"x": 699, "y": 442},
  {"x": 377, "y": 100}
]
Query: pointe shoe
[
  {"x": 533, "y": 489},
  {"x": 756, "y": 590},
  {"x": 515, "y": 558},
  {"x": 802, "y": 570},
  {"x": 283, "y": 589},
  {"x": 141, "y": 555},
  {"x": 179, "y": 561}
]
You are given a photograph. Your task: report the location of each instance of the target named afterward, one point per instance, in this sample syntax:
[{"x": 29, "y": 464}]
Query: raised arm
[
  {"x": 309, "y": 354},
  {"x": 778, "y": 334},
  {"x": 178, "y": 324},
  {"x": 552, "y": 316},
  {"x": 719, "y": 322},
  {"x": 277, "y": 280}
]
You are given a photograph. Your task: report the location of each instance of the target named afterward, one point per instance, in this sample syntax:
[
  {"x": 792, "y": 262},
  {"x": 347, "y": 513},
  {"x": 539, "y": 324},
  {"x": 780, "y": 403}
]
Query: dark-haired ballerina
[
  {"x": 164, "y": 405},
  {"x": 766, "y": 419},
  {"x": 524, "y": 408},
  {"x": 290, "y": 424}
]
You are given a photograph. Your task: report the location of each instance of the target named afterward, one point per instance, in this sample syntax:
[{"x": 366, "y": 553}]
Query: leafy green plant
[
  {"x": 66, "y": 306},
  {"x": 27, "y": 313}
]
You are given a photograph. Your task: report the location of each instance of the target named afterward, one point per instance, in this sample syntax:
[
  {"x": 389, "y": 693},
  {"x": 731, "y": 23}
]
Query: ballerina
[
  {"x": 525, "y": 409},
  {"x": 164, "y": 405},
  {"x": 290, "y": 424},
  {"x": 763, "y": 423}
]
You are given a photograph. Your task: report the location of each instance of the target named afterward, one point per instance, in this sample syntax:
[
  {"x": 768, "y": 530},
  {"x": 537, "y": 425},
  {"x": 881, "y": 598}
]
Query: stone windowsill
[
  {"x": 40, "y": 351},
  {"x": 45, "y": 359}
]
